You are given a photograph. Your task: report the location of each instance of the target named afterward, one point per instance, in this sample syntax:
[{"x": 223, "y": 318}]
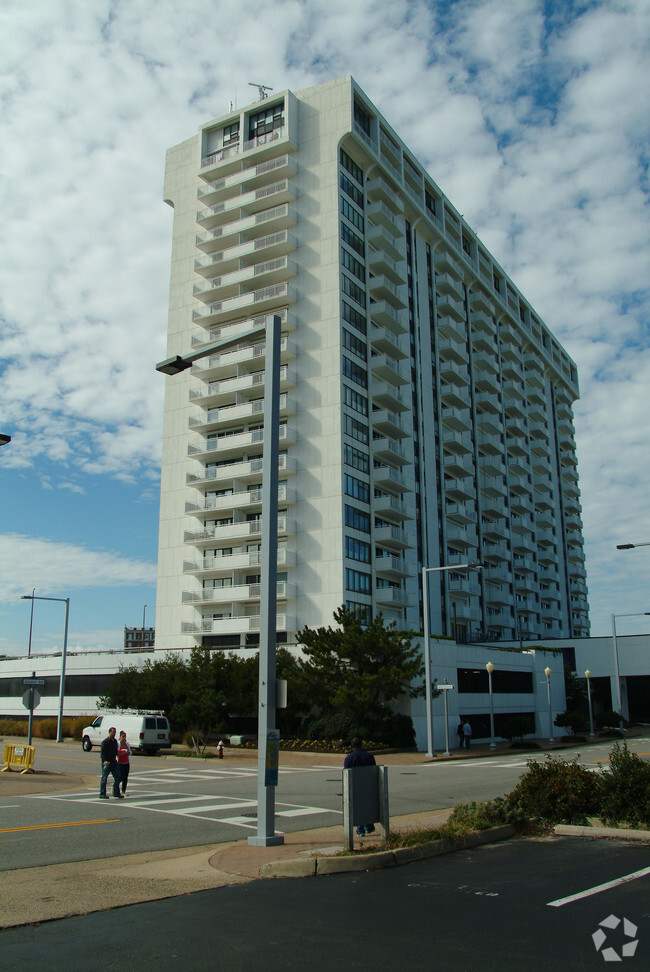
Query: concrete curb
[
  {"x": 315, "y": 866},
  {"x": 568, "y": 830}
]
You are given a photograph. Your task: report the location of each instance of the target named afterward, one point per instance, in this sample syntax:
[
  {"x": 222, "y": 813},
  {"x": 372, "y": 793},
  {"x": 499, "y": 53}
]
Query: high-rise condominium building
[{"x": 426, "y": 414}]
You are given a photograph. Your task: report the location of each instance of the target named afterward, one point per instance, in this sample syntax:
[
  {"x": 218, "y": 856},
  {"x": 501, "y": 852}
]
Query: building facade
[{"x": 426, "y": 410}]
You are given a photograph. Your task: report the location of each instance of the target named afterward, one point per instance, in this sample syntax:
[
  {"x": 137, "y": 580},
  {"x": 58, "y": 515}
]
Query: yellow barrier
[{"x": 18, "y": 756}]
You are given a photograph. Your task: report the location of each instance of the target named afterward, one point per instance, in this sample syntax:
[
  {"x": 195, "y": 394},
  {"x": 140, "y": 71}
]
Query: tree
[
  {"x": 360, "y": 669},
  {"x": 204, "y": 705}
]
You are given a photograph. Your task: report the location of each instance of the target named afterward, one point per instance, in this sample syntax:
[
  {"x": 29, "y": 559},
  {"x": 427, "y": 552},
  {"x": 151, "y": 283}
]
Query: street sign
[
  {"x": 27, "y": 700},
  {"x": 445, "y": 687},
  {"x": 33, "y": 681}
]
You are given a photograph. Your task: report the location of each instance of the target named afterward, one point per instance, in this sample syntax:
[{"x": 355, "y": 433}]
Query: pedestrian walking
[
  {"x": 123, "y": 760},
  {"x": 467, "y": 733},
  {"x": 359, "y": 757},
  {"x": 460, "y": 733},
  {"x": 109, "y": 765}
]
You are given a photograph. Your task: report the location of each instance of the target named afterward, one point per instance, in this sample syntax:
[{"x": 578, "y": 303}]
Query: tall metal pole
[
  {"x": 144, "y": 617},
  {"x": 31, "y": 626},
  {"x": 268, "y": 738},
  {"x": 59, "y": 730},
  {"x": 547, "y": 672},
  {"x": 427, "y": 662},
  {"x": 490, "y": 669},
  {"x": 617, "y": 674},
  {"x": 592, "y": 734}
]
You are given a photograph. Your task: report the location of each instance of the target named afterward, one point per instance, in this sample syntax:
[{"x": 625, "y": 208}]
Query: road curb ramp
[{"x": 315, "y": 866}]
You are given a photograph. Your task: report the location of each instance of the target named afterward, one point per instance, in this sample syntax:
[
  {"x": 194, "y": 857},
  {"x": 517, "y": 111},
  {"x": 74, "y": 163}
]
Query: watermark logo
[{"x": 630, "y": 940}]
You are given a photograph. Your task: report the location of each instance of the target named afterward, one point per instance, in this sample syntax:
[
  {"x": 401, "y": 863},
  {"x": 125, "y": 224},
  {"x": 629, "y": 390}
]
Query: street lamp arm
[
  {"x": 178, "y": 363},
  {"x": 631, "y": 546}
]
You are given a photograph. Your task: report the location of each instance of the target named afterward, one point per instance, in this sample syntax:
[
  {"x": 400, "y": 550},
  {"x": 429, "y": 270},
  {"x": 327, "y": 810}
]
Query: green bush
[
  {"x": 493, "y": 813},
  {"x": 625, "y": 789},
  {"x": 516, "y": 728},
  {"x": 395, "y": 731},
  {"x": 557, "y": 791},
  {"x": 607, "y": 719},
  {"x": 575, "y": 722},
  {"x": 13, "y": 727}
]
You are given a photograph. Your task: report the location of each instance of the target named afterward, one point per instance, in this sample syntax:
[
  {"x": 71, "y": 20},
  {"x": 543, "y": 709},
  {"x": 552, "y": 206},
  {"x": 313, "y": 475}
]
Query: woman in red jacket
[{"x": 123, "y": 759}]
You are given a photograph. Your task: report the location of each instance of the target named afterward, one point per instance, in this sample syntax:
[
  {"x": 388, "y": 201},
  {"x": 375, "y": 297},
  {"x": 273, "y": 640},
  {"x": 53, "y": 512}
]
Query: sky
[{"x": 532, "y": 117}]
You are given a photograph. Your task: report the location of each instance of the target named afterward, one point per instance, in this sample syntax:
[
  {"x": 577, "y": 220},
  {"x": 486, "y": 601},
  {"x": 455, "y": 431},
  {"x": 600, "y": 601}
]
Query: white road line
[{"x": 600, "y": 887}]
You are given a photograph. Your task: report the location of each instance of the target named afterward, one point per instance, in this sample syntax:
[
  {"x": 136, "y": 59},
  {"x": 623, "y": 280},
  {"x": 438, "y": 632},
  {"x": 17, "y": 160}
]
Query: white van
[{"x": 146, "y": 731}]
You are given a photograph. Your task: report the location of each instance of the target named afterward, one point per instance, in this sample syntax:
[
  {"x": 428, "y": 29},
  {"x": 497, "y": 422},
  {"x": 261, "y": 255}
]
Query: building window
[
  {"x": 356, "y": 346},
  {"x": 352, "y": 290},
  {"x": 355, "y": 171},
  {"x": 362, "y": 118},
  {"x": 356, "y": 488},
  {"x": 356, "y": 430},
  {"x": 265, "y": 121},
  {"x": 357, "y": 550},
  {"x": 354, "y": 400},
  {"x": 357, "y": 519},
  {"x": 351, "y": 190},
  {"x": 353, "y": 265},
  {"x": 231, "y": 134},
  {"x": 357, "y": 580},
  {"x": 355, "y": 458},
  {"x": 350, "y": 213},
  {"x": 430, "y": 202},
  {"x": 362, "y": 612},
  {"x": 353, "y": 317},
  {"x": 355, "y": 372},
  {"x": 350, "y": 237}
]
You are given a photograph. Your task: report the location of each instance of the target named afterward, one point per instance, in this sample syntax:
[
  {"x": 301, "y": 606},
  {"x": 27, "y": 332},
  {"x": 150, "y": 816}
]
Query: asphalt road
[
  {"x": 175, "y": 803},
  {"x": 507, "y": 906}
]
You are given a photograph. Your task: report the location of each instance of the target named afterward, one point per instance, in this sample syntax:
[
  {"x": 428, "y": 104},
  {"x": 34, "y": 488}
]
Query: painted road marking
[
  {"x": 76, "y": 823},
  {"x": 600, "y": 887}
]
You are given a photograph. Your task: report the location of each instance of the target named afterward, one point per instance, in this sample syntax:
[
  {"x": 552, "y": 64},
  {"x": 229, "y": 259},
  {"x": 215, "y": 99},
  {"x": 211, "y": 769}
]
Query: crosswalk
[{"x": 148, "y": 792}]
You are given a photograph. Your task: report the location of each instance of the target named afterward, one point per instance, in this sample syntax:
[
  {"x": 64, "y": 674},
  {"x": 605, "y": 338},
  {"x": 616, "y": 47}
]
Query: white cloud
[
  {"x": 532, "y": 118},
  {"x": 28, "y": 562}
]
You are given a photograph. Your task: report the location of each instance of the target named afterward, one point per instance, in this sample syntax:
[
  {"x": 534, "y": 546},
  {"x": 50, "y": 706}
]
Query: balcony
[
  {"x": 246, "y": 179},
  {"x": 380, "y": 237},
  {"x": 239, "y": 594},
  {"x": 446, "y": 263},
  {"x": 390, "y": 451},
  {"x": 452, "y": 351},
  {"x": 388, "y": 396},
  {"x": 460, "y": 489},
  {"x": 283, "y": 622},
  {"x": 392, "y": 537},
  {"x": 267, "y": 272},
  {"x": 229, "y": 416},
  {"x": 380, "y": 263},
  {"x": 216, "y": 566},
  {"x": 246, "y": 204},
  {"x": 460, "y": 537},
  {"x": 457, "y": 419},
  {"x": 381, "y": 215},
  {"x": 388, "y": 423},
  {"x": 480, "y": 303},
  {"x": 266, "y": 247},
  {"x": 247, "y": 357},
  {"x": 391, "y": 508},
  {"x": 394, "y": 568},
  {"x": 387, "y": 369},
  {"x": 230, "y": 391},
  {"x": 385, "y": 313},
  {"x": 244, "y": 530},
  {"x": 238, "y": 472},
  {"x": 250, "y": 227},
  {"x": 382, "y": 289},
  {"x": 386, "y": 477},
  {"x": 244, "y": 500},
  {"x": 457, "y": 467},
  {"x": 449, "y": 286},
  {"x": 392, "y": 596},
  {"x": 386, "y": 343},
  {"x": 259, "y": 301},
  {"x": 235, "y": 445},
  {"x": 446, "y": 306},
  {"x": 462, "y": 513}
]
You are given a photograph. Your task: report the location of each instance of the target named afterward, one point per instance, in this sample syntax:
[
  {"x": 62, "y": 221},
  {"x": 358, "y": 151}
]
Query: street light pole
[
  {"x": 66, "y": 601},
  {"x": 427, "y": 652},
  {"x": 268, "y": 739},
  {"x": 617, "y": 674},
  {"x": 547, "y": 672},
  {"x": 490, "y": 669},
  {"x": 592, "y": 734},
  {"x": 31, "y": 626}
]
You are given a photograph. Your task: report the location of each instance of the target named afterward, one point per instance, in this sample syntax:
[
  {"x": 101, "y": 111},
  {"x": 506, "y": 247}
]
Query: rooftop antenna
[{"x": 262, "y": 89}]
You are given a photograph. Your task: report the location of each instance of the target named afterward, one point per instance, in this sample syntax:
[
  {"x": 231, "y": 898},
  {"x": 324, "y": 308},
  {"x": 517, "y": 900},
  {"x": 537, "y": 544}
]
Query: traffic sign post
[
  {"x": 31, "y": 698},
  {"x": 446, "y": 687}
]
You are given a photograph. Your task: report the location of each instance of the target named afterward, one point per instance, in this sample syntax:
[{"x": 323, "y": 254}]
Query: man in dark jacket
[
  {"x": 110, "y": 765},
  {"x": 359, "y": 757}
]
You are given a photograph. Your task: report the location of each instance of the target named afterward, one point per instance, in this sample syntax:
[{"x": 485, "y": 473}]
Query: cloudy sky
[{"x": 531, "y": 115}]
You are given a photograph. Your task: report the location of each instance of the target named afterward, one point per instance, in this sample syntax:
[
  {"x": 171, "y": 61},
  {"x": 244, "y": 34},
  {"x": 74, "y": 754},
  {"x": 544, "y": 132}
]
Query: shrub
[
  {"x": 607, "y": 719},
  {"x": 575, "y": 722},
  {"x": 516, "y": 728},
  {"x": 395, "y": 731},
  {"x": 45, "y": 728},
  {"x": 559, "y": 791},
  {"x": 13, "y": 727},
  {"x": 625, "y": 788}
]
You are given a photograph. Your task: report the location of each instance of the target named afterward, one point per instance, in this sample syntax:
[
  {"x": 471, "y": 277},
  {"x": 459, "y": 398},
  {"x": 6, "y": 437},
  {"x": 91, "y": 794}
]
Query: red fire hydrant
[{"x": 220, "y": 749}]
